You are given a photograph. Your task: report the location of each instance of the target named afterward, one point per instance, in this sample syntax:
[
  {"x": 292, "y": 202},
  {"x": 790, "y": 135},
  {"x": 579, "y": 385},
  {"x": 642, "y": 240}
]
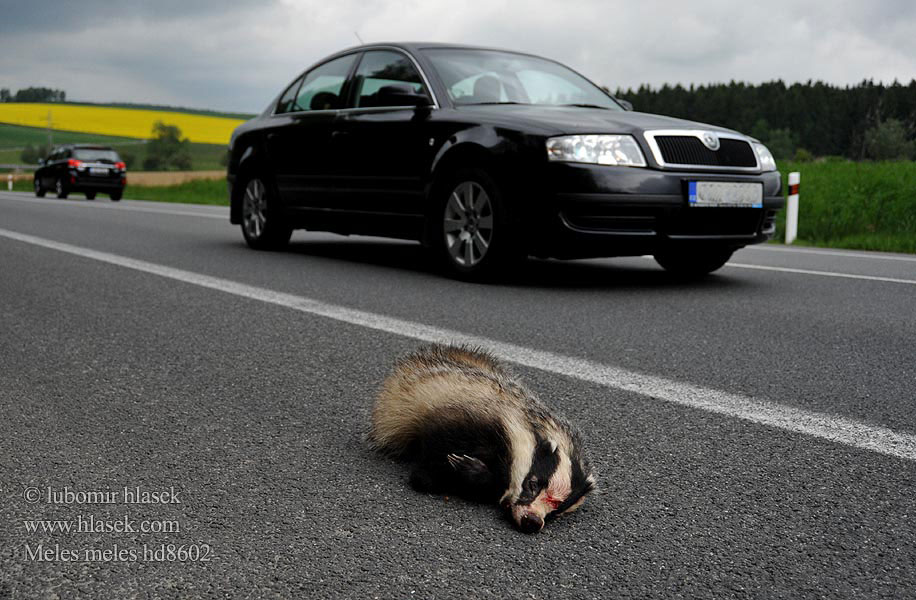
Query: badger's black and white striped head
[{"x": 549, "y": 475}]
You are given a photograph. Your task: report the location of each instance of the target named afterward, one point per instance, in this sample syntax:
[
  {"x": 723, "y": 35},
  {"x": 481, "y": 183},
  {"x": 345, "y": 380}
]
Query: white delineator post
[
  {"x": 792, "y": 207},
  {"x": 9, "y": 182}
]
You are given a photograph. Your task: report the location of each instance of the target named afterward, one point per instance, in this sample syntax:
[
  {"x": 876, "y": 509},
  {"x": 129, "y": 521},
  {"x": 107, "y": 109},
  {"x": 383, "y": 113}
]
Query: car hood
[{"x": 558, "y": 120}]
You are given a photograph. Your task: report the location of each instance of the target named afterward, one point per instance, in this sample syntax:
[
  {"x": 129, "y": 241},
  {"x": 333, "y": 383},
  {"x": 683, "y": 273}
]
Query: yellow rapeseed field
[{"x": 122, "y": 122}]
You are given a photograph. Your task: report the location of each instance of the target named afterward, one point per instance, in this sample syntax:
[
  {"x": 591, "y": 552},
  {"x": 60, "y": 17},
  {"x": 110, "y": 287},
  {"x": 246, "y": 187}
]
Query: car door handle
[{"x": 337, "y": 133}]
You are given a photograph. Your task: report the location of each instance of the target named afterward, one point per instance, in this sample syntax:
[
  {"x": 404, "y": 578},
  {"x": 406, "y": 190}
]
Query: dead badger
[{"x": 472, "y": 430}]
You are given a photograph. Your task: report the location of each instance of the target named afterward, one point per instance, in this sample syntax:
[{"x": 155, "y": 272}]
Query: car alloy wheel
[
  {"x": 39, "y": 191},
  {"x": 468, "y": 224},
  {"x": 261, "y": 225},
  {"x": 59, "y": 188},
  {"x": 254, "y": 205}
]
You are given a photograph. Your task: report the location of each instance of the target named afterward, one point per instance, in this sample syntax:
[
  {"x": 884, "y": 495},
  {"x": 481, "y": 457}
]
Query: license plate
[
  {"x": 98, "y": 171},
  {"x": 725, "y": 193}
]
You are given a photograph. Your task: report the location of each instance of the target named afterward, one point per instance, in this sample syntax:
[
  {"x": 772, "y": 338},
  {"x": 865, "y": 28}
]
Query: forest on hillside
[{"x": 868, "y": 120}]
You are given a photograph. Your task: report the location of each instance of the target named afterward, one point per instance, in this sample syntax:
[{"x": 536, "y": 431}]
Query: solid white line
[
  {"x": 821, "y": 273},
  {"x": 833, "y": 428},
  {"x": 787, "y": 250},
  {"x": 119, "y": 207}
]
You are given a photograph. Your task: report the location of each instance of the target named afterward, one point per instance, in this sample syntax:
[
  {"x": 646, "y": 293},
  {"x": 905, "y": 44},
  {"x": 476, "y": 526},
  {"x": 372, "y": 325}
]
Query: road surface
[{"x": 196, "y": 412}]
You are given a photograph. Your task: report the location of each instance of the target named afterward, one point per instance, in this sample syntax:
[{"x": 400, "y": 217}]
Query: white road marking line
[
  {"x": 120, "y": 207},
  {"x": 862, "y": 254},
  {"x": 833, "y": 428},
  {"x": 821, "y": 273},
  {"x": 807, "y": 272}
]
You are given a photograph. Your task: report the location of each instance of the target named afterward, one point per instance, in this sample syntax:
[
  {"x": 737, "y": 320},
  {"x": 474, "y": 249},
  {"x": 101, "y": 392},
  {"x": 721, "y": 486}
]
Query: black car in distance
[
  {"x": 486, "y": 156},
  {"x": 85, "y": 168}
]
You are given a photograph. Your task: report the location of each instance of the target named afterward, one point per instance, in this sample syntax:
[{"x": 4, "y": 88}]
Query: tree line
[
  {"x": 868, "y": 120},
  {"x": 33, "y": 94}
]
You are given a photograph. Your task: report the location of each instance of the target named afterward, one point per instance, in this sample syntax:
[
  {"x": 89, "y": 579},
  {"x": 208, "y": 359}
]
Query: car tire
[
  {"x": 692, "y": 264},
  {"x": 470, "y": 230},
  {"x": 60, "y": 188},
  {"x": 39, "y": 189},
  {"x": 90, "y": 195},
  {"x": 262, "y": 228},
  {"x": 115, "y": 196}
]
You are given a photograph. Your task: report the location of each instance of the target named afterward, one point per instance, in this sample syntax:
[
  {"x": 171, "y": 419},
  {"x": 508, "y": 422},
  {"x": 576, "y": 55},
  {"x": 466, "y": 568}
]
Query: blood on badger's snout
[{"x": 471, "y": 429}]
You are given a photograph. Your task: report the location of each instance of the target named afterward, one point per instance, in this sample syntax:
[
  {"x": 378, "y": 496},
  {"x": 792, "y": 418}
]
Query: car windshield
[
  {"x": 96, "y": 154},
  {"x": 493, "y": 77}
]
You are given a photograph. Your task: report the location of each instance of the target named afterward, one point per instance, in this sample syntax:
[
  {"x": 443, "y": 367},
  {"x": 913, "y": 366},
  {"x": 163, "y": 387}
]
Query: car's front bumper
[{"x": 605, "y": 211}]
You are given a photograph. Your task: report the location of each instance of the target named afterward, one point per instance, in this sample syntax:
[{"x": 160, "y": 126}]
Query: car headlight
[
  {"x": 767, "y": 162},
  {"x": 621, "y": 150}
]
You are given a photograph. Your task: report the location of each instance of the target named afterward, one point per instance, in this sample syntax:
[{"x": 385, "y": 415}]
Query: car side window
[
  {"x": 384, "y": 68},
  {"x": 321, "y": 89},
  {"x": 285, "y": 104}
]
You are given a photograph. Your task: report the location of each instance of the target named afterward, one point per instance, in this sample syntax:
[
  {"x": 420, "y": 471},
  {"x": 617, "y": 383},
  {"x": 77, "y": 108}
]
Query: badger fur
[{"x": 471, "y": 429}]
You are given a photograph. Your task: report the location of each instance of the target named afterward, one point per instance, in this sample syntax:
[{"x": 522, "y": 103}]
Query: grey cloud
[
  {"x": 36, "y": 16},
  {"x": 236, "y": 56}
]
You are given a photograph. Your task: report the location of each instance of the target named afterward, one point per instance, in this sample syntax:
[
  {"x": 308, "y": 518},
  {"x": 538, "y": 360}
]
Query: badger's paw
[{"x": 467, "y": 465}]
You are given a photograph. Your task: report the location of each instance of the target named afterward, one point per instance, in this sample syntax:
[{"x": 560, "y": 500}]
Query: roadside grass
[
  {"x": 201, "y": 191},
  {"x": 204, "y": 157},
  {"x": 855, "y": 205}
]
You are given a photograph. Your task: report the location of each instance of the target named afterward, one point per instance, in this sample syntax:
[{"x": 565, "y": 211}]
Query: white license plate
[
  {"x": 98, "y": 171},
  {"x": 725, "y": 193}
]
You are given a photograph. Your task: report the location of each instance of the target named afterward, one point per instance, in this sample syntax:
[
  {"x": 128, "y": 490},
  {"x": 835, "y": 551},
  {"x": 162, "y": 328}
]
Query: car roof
[{"x": 414, "y": 46}]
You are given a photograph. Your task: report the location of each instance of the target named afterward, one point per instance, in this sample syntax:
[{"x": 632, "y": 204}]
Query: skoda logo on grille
[{"x": 710, "y": 140}]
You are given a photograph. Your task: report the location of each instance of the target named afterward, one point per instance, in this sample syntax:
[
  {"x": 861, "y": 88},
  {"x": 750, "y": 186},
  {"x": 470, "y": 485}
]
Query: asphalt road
[{"x": 754, "y": 433}]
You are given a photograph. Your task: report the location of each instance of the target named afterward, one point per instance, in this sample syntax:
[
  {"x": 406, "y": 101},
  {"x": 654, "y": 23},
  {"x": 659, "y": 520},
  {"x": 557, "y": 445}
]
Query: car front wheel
[
  {"x": 39, "y": 190},
  {"x": 689, "y": 263},
  {"x": 261, "y": 226},
  {"x": 60, "y": 189},
  {"x": 472, "y": 235}
]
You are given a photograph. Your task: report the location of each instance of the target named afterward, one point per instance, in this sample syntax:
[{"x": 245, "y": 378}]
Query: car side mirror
[
  {"x": 401, "y": 95},
  {"x": 626, "y": 104}
]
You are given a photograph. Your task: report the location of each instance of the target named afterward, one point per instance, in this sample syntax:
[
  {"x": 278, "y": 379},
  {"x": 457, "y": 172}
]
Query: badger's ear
[{"x": 468, "y": 465}]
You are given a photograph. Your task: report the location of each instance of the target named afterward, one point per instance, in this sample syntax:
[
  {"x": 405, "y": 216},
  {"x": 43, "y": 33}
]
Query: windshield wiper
[
  {"x": 481, "y": 103},
  {"x": 587, "y": 106}
]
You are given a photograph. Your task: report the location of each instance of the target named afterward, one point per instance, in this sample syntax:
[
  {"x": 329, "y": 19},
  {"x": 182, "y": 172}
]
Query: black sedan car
[
  {"x": 85, "y": 168},
  {"x": 487, "y": 156}
]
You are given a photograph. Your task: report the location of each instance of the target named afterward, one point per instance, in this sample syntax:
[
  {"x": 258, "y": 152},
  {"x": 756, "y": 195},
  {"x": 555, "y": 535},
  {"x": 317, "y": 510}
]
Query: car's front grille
[{"x": 689, "y": 150}]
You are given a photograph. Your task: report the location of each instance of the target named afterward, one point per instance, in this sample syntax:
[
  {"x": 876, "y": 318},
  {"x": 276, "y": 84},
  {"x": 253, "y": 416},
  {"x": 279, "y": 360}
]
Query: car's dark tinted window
[
  {"x": 101, "y": 154},
  {"x": 381, "y": 68},
  {"x": 286, "y": 102},
  {"x": 322, "y": 87}
]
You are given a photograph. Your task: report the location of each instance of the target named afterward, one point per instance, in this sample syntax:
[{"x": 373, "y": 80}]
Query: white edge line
[
  {"x": 833, "y": 428},
  {"x": 821, "y": 273},
  {"x": 120, "y": 207},
  {"x": 863, "y": 254}
]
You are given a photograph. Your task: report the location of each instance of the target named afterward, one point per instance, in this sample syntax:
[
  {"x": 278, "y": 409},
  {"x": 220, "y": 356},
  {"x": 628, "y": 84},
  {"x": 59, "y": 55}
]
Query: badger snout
[{"x": 530, "y": 523}]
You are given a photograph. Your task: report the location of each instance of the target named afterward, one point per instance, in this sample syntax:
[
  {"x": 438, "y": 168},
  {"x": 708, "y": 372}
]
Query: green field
[
  {"x": 859, "y": 205},
  {"x": 190, "y": 111},
  {"x": 204, "y": 157}
]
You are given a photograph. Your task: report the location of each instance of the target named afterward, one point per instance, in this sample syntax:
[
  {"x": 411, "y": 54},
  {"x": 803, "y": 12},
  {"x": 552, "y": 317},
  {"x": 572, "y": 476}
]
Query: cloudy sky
[{"x": 236, "y": 55}]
